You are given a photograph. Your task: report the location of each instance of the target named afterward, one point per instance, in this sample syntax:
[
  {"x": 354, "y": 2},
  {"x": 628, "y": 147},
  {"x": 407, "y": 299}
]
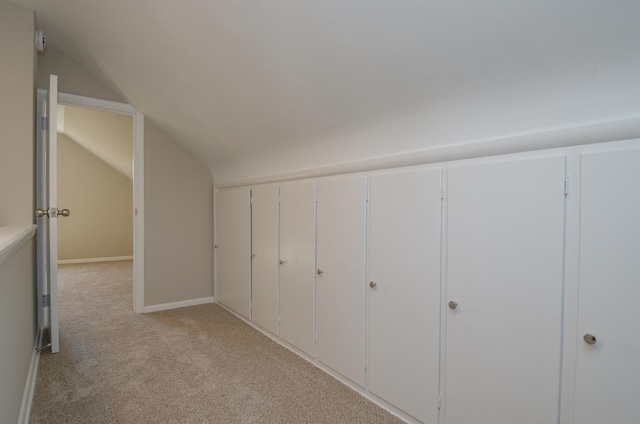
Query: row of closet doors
[{"x": 442, "y": 290}]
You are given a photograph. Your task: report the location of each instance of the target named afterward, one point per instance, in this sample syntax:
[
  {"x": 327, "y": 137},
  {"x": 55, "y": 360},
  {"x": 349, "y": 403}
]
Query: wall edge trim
[{"x": 180, "y": 304}]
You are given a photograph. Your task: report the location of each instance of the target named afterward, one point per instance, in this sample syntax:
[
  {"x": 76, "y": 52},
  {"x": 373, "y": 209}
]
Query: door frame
[{"x": 138, "y": 175}]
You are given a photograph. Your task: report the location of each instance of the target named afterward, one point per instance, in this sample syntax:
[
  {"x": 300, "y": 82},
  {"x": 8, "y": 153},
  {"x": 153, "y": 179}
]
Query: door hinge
[
  {"x": 566, "y": 187},
  {"x": 439, "y": 401},
  {"x": 442, "y": 191},
  {"x": 44, "y": 123},
  {"x": 366, "y": 364},
  {"x": 46, "y": 300}
]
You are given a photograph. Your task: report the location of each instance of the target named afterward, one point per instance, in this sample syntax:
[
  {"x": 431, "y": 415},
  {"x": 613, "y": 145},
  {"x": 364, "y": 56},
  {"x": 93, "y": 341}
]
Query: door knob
[
  {"x": 42, "y": 212},
  {"x": 453, "y": 305},
  {"x": 64, "y": 212},
  {"x": 282, "y": 262},
  {"x": 590, "y": 339},
  {"x": 319, "y": 272},
  {"x": 373, "y": 284}
]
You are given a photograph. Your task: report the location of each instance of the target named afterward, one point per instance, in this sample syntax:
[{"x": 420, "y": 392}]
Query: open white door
[{"x": 47, "y": 214}]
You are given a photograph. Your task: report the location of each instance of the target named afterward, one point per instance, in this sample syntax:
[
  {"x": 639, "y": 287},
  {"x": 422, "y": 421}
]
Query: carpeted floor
[{"x": 191, "y": 365}]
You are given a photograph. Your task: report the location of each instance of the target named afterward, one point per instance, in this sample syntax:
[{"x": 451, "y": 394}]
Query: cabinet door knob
[
  {"x": 319, "y": 272},
  {"x": 590, "y": 339},
  {"x": 282, "y": 262},
  {"x": 373, "y": 284},
  {"x": 453, "y": 305}
]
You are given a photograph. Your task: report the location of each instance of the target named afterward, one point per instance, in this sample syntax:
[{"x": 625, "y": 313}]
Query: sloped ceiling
[
  {"x": 255, "y": 87},
  {"x": 107, "y": 135}
]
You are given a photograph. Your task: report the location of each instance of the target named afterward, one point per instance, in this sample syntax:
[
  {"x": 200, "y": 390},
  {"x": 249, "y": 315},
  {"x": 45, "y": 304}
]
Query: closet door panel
[
  {"x": 297, "y": 268},
  {"x": 505, "y": 281},
  {"x": 340, "y": 281},
  {"x": 233, "y": 252},
  {"x": 264, "y": 261},
  {"x": 404, "y": 304},
  {"x": 608, "y": 371}
]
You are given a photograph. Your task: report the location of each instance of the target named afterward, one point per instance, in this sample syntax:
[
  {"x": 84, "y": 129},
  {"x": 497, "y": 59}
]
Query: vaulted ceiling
[{"x": 256, "y": 87}]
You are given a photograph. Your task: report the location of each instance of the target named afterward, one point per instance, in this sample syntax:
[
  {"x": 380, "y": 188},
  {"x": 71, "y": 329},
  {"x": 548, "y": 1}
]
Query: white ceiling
[{"x": 265, "y": 86}]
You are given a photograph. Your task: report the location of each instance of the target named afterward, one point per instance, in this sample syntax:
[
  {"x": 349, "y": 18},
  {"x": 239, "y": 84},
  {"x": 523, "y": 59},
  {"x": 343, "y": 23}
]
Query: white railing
[{"x": 12, "y": 238}]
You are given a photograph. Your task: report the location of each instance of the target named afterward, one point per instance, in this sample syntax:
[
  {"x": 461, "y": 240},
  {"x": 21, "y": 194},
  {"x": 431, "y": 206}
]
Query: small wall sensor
[{"x": 41, "y": 41}]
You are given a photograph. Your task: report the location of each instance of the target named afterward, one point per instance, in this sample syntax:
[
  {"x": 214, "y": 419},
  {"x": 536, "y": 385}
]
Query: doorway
[{"x": 74, "y": 101}]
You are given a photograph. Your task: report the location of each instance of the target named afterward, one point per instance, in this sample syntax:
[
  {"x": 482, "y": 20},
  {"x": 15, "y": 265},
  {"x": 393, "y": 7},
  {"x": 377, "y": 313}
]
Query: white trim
[
  {"x": 175, "y": 305},
  {"x": 623, "y": 128},
  {"x": 12, "y": 238},
  {"x": 91, "y": 260},
  {"x": 138, "y": 180},
  {"x": 30, "y": 385},
  {"x": 138, "y": 219},
  {"x": 353, "y": 386}
]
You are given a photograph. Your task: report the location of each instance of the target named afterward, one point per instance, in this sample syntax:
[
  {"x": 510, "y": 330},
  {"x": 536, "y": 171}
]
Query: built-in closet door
[
  {"x": 404, "y": 291},
  {"x": 298, "y": 265},
  {"x": 233, "y": 251},
  {"x": 504, "y": 289},
  {"x": 608, "y": 361},
  {"x": 340, "y": 277},
  {"x": 264, "y": 257}
]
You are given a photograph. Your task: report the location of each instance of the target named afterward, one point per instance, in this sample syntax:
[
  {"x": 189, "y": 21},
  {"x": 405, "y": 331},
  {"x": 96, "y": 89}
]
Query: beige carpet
[{"x": 191, "y": 365}]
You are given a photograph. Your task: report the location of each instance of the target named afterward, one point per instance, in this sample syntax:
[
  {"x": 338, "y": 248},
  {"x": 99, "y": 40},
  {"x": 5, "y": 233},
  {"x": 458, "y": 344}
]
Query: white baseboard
[
  {"x": 30, "y": 385},
  {"x": 174, "y": 305},
  {"x": 89, "y": 260},
  {"x": 315, "y": 362}
]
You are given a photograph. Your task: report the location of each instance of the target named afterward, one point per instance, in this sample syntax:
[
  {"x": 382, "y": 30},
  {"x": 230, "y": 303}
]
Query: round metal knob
[
  {"x": 41, "y": 212},
  {"x": 319, "y": 272},
  {"x": 373, "y": 284},
  {"x": 453, "y": 305},
  {"x": 589, "y": 339},
  {"x": 64, "y": 212}
]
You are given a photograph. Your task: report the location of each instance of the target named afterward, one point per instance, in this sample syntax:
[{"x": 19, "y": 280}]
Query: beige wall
[
  {"x": 17, "y": 277},
  {"x": 74, "y": 79},
  {"x": 17, "y": 328},
  {"x": 16, "y": 114},
  {"x": 101, "y": 203},
  {"x": 178, "y": 222},
  {"x": 178, "y": 254}
]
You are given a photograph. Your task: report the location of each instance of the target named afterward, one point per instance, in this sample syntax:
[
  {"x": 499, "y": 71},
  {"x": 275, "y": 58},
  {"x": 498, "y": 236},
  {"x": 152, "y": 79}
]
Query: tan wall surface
[
  {"x": 178, "y": 222},
  {"x": 17, "y": 328},
  {"x": 101, "y": 203},
  {"x": 16, "y": 114},
  {"x": 74, "y": 79},
  {"x": 178, "y": 200},
  {"x": 17, "y": 277}
]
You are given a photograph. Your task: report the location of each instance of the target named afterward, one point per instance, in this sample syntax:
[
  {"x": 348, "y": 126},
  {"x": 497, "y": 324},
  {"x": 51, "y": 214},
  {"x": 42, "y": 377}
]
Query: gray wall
[
  {"x": 178, "y": 200},
  {"x": 101, "y": 203},
  {"x": 17, "y": 61},
  {"x": 17, "y": 329},
  {"x": 17, "y": 276},
  {"x": 178, "y": 222}
]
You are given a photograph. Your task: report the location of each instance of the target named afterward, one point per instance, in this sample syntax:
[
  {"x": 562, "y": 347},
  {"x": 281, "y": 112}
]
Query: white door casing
[
  {"x": 403, "y": 353},
  {"x": 504, "y": 271}
]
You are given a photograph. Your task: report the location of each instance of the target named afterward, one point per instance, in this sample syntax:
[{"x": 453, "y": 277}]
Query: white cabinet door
[
  {"x": 404, "y": 302},
  {"x": 340, "y": 281},
  {"x": 608, "y": 371},
  {"x": 264, "y": 263},
  {"x": 233, "y": 252},
  {"x": 298, "y": 265},
  {"x": 505, "y": 273}
]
